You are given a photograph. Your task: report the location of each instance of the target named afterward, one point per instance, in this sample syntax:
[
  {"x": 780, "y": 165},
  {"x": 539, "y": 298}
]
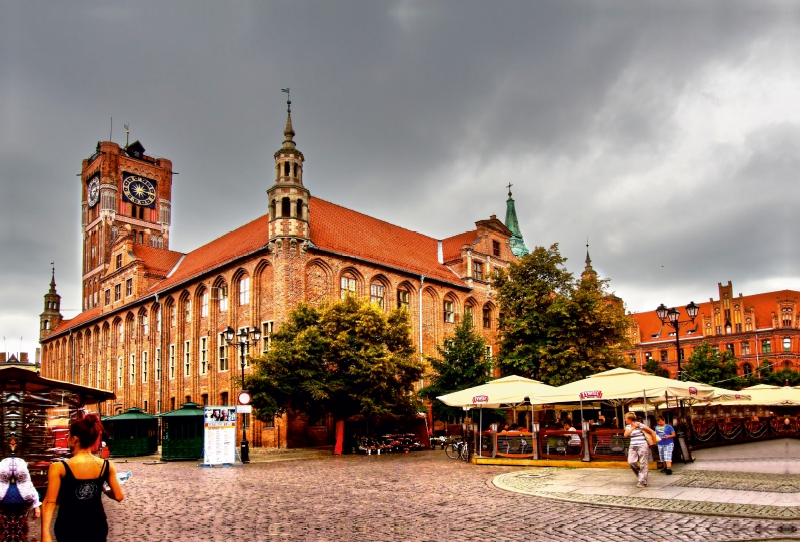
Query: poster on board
[{"x": 219, "y": 435}]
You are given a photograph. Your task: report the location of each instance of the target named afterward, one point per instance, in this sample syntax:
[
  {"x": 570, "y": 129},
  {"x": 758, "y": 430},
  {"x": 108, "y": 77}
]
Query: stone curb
[{"x": 703, "y": 508}]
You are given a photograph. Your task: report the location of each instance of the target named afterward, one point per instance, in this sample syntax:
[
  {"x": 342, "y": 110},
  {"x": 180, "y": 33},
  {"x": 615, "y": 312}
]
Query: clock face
[
  {"x": 139, "y": 190},
  {"x": 93, "y": 191}
]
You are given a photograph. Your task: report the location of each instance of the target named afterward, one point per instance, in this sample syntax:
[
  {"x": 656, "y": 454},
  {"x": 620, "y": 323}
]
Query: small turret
[
  {"x": 588, "y": 271},
  {"x": 51, "y": 316},
  {"x": 518, "y": 247}
]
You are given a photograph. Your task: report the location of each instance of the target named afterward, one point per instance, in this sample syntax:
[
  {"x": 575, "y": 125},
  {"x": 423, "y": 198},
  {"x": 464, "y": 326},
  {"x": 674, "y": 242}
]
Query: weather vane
[
  {"x": 288, "y": 99},
  {"x": 127, "y": 133}
]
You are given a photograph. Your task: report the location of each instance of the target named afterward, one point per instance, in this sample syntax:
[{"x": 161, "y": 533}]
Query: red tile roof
[
  {"x": 85, "y": 316},
  {"x": 452, "y": 245},
  {"x": 348, "y": 232},
  {"x": 764, "y": 305},
  {"x": 158, "y": 261},
  {"x": 333, "y": 228}
]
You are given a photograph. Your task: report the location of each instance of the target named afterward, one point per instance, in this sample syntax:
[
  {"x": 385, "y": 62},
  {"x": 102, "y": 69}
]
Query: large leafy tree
[
  {"x": 347, "y": 358},
  {"x": 553, "y": 327},
  {"x": 461, "y": 363},
  {"x": 766, "y": 373},
  {"x": 710, "y": 366},
  {"x": 654, "y": 367}
]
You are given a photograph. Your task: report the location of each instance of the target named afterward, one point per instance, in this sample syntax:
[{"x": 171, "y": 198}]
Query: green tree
[
  {"x": 347, "y": 358},
  {"x": 554, "y": 328},
  {"x": 710, "y": 366},
  {"x": 654, "y": 367},
  {"x": 766, "y": 373},
  {"x": 461, "y": 363}
]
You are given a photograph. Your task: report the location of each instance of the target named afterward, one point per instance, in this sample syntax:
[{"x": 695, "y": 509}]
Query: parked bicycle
[{"x": 459, "y": 449}]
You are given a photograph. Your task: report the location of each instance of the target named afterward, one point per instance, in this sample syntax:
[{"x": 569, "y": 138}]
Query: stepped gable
[
  {"x": 158, "y": 261},
  {"x": 234, "y": 244},
  {"x": 451, "y": 246},
  {"x": 351, "y": 233}
]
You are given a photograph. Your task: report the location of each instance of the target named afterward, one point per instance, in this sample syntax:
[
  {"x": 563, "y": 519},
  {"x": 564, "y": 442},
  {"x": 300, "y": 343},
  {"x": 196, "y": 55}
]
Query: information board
[{"x": 219, "y": 436}]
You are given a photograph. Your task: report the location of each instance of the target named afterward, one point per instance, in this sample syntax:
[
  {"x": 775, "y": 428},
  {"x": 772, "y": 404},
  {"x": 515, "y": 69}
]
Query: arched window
[
  {"x": 403, "y": 299},
  {"x": 487, "y": 317},
  {"x": 244, "y": 290},
  {"x": 299, "y": 211},
  {"x": 348, "y": 286},
  {"x": 468, "y": 317},
  {"x": 747, "y": 369},
  {"x": 286, "y": 207},
  {"x": 286, "y": 167},
  {"x": 377, "y": 294},
  {"x": 448, "y": 310},
  {"x": 787, "y": 344}
]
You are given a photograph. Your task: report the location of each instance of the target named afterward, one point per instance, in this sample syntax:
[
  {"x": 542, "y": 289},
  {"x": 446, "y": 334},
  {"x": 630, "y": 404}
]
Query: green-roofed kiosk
[
  {"x": 132, "y": 433},
  {"x": 182, "y": 433}
]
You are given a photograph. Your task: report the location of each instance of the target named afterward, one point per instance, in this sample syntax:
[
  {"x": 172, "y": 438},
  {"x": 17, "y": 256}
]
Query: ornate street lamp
[
  {"x": 246, "y": 339},
  {"x": 672, "y": 317}
]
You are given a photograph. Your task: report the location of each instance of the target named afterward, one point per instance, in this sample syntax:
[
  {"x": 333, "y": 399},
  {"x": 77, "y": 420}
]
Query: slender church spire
[
  {"x": 518, "y": 247},
  {"x": 588, "y": 271},
  {"x": 288, "y": 132}
]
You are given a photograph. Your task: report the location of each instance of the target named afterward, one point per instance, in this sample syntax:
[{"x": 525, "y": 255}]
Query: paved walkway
[
  {"x": 756, "y": 480},
  {"x": 422, "y": 496}
]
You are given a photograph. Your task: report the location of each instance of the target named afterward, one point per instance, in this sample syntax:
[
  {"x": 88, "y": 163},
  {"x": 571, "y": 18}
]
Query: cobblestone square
[{"x": 422, "y": 496}]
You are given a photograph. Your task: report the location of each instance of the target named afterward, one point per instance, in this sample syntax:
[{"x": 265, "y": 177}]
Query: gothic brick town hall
[{"x": 152, "y": 319}]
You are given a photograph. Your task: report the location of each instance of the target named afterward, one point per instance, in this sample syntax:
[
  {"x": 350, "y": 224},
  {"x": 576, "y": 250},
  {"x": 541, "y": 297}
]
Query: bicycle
[{"x": 457, "y": 450}]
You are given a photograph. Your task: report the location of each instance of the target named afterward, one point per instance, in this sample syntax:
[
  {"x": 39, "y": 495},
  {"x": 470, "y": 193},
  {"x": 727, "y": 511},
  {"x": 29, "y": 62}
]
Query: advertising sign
[
  {"x": 692, "y": 390},
  {"x": 594, "y": 394},
  {"x": 480, "y": 399},
  {"x": 219, "y": 435}
]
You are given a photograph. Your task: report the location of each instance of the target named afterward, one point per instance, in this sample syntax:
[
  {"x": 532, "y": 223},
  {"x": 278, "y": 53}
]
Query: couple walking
[{"x": 639, "y": 449}]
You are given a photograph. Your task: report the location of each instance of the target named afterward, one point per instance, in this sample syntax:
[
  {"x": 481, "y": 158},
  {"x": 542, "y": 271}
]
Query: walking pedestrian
[
  {"x": 77, "y": 484},
  {"x": 638, "y": 451},
  {"x": 17, "y": 498},
  {"x": 667, "y": 444}
]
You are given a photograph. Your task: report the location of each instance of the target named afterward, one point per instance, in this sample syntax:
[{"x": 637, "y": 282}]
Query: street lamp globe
[
  {"x": 255, "y": 334},
  {"x": 692, "y": 309},
  {"x": 673, "y": 314},
  {"x": 229, "y": 334},
  {"x": 661, "y": 311},
  {"x": 242, "y": 334}
]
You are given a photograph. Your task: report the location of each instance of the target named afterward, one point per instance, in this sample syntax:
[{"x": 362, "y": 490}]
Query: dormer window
[
  {"x": 477, "y": 270},
  {"x": 119, "y": 261},
  {"x": 496, "y": 248}
]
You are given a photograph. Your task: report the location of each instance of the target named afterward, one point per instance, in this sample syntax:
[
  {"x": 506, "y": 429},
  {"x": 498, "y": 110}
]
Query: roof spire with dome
[{"x": 518, "y": 247}]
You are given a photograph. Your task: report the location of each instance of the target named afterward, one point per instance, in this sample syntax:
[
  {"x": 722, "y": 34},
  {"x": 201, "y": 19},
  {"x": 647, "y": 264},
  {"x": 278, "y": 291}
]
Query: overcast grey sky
[{"x": 666, "y": 132}]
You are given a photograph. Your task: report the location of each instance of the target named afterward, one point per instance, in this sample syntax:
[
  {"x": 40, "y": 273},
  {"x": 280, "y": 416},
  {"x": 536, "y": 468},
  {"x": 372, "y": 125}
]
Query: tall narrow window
[
  {"x": 402, "y": 299},
  {"x": 496, "y": 248},
  {"x": 145, "y": 324},
  {"x": 158, "y": 364},
  {"x": 99, "y": 373},
  {"x": 117, "y": 292},
  {"x": 747, "y": 369},
  {"x": 171, "y": 361},
  {"x": 187, "y": 310},
  {"x": 187, "y": 358},
  {"x": 286, "y": 207},
  {"x": 377, "y": 293},
  {"x": 243, "y": 358},
  {"x": 119, "y": 372},
  {"x": 468, "y": 314},
  {"x": 745, "y": 348},
  {"x": 223, "y": 298},
  {"x": 128, "y": 287},
  {"x": 121, "y": 331},
  {"x": 348, "y": 286},
  {"x": 787, "y": 344},
  {"x": 144, "y": 367},
  {"x": 204, "y": 305},
  {"x": 487, "y": 318},
  {"x": 766, "y": 347},
  {"x": 108, "y": 297},
  {"x": 119, "y": 260},
  {"x": 158, "y": 320},
  {"x": 133, "y": 370},
  {"x": 203, "y": 355},
  {"x": 173, "y": 315},
  {"x": 447, "y": 309},
  {"x": 664, "y": 356},
  {"x": 223, "y": 353},
  {"x": 488, "y": 352},
  {"x": 266, "y": 336},
  {"x": 244, "y": 291},
  {"x": 477, "y": 270}
]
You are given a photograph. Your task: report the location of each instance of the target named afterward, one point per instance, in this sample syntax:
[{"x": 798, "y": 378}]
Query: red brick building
[
  {"x": 756, "y": 328},
  {"x": 152, "y": 318}
]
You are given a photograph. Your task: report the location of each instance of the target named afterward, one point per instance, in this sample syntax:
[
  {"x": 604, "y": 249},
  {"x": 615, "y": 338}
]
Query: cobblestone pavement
[{"x": 422, "y": 496}]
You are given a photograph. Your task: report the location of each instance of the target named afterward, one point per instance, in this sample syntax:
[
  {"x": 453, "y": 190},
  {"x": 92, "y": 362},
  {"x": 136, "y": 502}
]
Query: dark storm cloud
[{"x": 420, "y": 114}]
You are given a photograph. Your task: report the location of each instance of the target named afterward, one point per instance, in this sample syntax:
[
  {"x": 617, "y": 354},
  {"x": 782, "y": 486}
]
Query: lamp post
[
  {"x": 246, "y": 338},
  {"x": 672, "y": 318}
]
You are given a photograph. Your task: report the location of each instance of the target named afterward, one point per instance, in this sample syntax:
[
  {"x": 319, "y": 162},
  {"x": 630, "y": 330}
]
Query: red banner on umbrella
[
  {"x": 594, "y": 394},
  {"x": 480, "y": 399}
]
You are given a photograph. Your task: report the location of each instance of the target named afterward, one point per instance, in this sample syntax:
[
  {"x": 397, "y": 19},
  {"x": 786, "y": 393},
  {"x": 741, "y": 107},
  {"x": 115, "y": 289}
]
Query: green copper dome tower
[{"x": 517, "y": 244}]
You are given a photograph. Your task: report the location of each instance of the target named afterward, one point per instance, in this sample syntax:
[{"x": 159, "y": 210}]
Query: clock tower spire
[{"x": 125, "y": 193}]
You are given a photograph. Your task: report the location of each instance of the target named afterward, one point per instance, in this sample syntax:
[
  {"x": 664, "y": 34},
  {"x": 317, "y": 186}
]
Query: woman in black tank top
[{"x": 80, "y": 515}]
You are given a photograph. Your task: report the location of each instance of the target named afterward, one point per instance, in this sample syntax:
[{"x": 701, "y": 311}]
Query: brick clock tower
[
  {"x": 289, "y": 230},
  {"x": 124, "y": 193}
]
